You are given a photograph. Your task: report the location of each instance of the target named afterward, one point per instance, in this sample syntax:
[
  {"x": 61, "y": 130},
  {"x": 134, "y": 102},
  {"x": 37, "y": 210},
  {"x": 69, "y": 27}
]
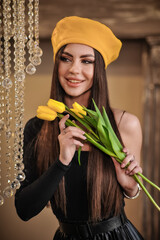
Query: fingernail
[
  {"x": 126, "y": 171},
  {"x": 122, "y": 165}
]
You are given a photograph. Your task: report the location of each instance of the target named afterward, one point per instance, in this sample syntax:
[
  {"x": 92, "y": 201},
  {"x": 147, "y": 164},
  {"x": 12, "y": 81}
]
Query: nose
[{"x": 75, "y": 67}]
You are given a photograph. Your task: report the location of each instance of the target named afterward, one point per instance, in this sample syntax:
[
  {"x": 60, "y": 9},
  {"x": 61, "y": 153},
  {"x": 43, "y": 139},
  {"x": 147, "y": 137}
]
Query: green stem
[
  {"x": 145, "y": 190},
  {"x": 79, "y": 155},
  {"x": 147, "y": 180},
  {"x": 82, "y": 122}
]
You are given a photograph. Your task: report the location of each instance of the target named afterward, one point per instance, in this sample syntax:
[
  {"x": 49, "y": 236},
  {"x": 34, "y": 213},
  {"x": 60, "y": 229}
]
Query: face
[{"x": 76, "y": 69}]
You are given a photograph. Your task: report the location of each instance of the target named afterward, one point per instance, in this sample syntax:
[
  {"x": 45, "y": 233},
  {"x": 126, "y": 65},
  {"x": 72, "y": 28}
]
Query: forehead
[{"x": 76, "y": 48}]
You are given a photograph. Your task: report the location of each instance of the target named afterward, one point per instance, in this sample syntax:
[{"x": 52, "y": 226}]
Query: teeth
[{"x": 74, "y": 81}]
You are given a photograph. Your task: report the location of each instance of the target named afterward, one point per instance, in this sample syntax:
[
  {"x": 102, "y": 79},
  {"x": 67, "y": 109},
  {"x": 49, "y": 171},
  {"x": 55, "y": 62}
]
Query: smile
[{"x": 74, "y": 81}]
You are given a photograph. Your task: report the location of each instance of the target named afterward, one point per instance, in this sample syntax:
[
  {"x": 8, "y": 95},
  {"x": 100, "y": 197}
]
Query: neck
[{"x": 82, "y": 99}]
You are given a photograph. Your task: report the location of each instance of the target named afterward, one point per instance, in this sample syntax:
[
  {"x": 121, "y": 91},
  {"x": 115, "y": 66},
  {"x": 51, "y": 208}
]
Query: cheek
[{"x": 89, "y": 74}]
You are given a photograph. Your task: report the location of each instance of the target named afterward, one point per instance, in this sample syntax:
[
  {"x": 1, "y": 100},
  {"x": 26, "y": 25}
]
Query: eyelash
[
  {"x": 87, "y": 61},
  {"x": 65, "y": 59}
]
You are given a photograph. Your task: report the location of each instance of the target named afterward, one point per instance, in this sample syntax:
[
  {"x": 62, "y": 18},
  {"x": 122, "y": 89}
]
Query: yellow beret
[{"x": 89, "y": 32}]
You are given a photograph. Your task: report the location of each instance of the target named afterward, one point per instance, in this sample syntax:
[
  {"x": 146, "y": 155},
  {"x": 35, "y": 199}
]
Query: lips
[{"x": 74, "y": 82}]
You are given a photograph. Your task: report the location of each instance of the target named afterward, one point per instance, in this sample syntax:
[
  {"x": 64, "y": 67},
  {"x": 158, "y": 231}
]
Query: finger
[
  {"x": 77, "y": 143},
  {"x": 62, "y": 122},
  {"x": 136, "y": 170},
  {"x": 128, "y": 159},
  {"x": 75, "y": 134},
  {"x": 74, "y": 129},
  {"x": 125, "y": 150},
  {"x": 131, "y": 167}
]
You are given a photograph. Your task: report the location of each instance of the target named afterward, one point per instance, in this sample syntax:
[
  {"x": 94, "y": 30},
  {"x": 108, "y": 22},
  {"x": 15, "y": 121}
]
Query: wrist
[
  {"x": 132, "y": 194},
  {"x": 64, "y": 161}
]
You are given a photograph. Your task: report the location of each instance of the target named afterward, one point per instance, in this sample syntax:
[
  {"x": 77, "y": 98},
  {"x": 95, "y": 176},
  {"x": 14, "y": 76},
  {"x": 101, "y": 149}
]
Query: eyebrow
[{"x": 85, "y": 55}]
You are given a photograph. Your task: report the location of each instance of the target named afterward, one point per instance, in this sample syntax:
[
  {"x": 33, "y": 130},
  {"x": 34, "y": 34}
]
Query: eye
[
  {"x": 64, "y": 59},
  {"x": 88, "y": 61}
]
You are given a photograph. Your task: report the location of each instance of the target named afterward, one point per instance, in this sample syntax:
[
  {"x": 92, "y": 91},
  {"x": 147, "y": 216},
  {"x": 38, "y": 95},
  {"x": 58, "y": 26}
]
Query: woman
[{"x": 88, "y": 200}]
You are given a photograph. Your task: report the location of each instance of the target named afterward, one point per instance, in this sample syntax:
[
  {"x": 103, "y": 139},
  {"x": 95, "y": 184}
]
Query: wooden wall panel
[{"x": 151, "y": 147}]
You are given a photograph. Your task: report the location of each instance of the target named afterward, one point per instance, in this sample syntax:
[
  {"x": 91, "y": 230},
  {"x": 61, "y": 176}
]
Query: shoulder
[
  {"x": 32, "y": 127},
  {"x": 34, "y": 123},
  {"x": 130, "y": 131},
  {"x": 127, "y": 123}
]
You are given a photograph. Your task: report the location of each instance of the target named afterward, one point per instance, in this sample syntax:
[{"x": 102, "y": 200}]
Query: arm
[
  {"x": 32, "y": 198},
  {"x": 35, "y": 192},
  {"x": 131, "y": 134}
]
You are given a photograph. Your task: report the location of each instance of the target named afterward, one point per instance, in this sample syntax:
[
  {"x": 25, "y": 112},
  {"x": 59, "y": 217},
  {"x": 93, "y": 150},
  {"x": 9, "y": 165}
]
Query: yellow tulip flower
[
  {"x": 56, "y": 106},
  {"x": 45, "y": 113},
  {"x": 78, "y": 109}
]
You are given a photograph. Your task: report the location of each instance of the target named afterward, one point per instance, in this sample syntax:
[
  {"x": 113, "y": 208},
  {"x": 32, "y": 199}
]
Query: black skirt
[{"x": 125, "y": 232}]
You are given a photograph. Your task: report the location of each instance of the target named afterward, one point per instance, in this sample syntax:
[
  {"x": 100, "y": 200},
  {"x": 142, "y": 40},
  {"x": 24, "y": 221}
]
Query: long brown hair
[{"x": 104, "y": 192}]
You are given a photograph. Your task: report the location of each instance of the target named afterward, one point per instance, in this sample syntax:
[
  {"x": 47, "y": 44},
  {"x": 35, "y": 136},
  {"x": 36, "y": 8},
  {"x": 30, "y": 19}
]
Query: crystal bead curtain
[{"x": 17, "y": 35}]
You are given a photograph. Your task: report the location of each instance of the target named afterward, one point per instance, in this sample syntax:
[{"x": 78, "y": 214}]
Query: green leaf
[
  {"x": 108, "y": 141},
  {"x": 116, "y": 145},
  {"x": 93, "y": 137},
  {"x": 90, "y": 120},
  {"x": 109, "y": 127},
  {"x": 98, "y": 113},
  {"x": 103, "y": 135},
  {"x": 118, "y": 150},
  {"x": 100, "y": 146},
  {"x": 91, "y": 113}
]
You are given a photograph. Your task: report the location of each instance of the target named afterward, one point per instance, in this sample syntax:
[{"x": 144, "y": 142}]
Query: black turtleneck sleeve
[{"x": 35, "y": 192}]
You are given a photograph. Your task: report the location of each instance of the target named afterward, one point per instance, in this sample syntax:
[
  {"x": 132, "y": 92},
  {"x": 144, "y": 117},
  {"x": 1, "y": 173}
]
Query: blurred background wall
[{"x": 133, "y": 23}]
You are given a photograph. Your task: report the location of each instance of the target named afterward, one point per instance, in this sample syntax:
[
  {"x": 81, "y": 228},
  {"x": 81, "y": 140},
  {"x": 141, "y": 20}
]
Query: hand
[
  {"x": 125, "y": 171},
  {"x": 69, "y": 138}
]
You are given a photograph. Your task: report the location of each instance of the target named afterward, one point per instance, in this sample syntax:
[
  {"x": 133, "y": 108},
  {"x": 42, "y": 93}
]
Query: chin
[{"x": 74, "y": 93}]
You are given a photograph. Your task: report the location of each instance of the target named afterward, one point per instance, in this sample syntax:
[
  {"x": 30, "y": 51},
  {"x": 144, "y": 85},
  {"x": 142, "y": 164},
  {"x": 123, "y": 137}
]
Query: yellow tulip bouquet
[{"x": 99, "y": 132}]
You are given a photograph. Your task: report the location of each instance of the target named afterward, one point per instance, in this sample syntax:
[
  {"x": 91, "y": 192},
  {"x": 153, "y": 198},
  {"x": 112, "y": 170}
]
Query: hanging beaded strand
[
  {"x": 19, "y": 52},
  {"x": 36, "y": 60},
  {"x": 34, "y": 50},
  {"x": 1, "y": 104},
  {"x": 7, "y": 85},
  {"x": 11, "y": 132},
  {"x": 30, "y": 69}
]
